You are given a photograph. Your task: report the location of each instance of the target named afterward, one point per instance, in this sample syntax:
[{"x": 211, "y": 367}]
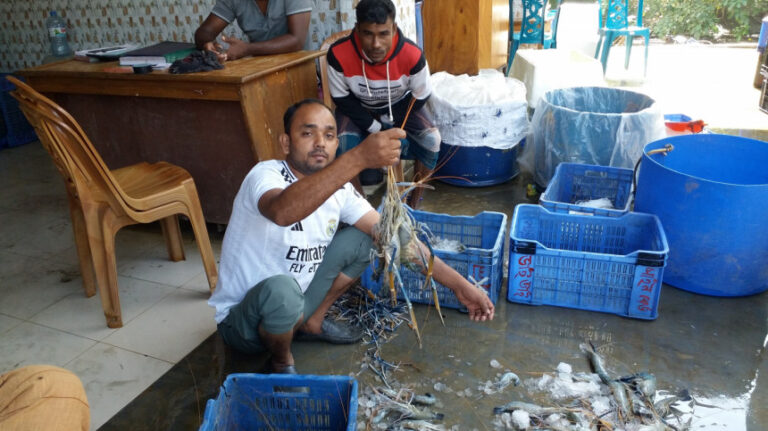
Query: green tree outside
[{"x": 699, "y": 18}]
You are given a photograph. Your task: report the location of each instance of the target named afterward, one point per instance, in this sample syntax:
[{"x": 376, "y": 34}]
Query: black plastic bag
[{"x": 198, "y": 61}]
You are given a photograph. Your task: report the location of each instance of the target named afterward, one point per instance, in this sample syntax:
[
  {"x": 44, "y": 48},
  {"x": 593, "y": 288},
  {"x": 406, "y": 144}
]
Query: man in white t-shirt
[{"x": 284, "y": 261}]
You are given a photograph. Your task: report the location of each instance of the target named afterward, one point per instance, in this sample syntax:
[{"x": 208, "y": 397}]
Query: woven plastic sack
[{"x": 487, "y": 109}]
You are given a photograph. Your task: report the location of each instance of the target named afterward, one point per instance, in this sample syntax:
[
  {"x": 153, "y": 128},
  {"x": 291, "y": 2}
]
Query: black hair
[
  {"x": 375, "y": 11},
  {"x": 291, "y": 111}
]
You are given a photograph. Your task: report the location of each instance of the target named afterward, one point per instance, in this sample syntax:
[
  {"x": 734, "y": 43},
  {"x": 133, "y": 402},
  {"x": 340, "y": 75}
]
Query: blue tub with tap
[{"x": 710, "y": 192}]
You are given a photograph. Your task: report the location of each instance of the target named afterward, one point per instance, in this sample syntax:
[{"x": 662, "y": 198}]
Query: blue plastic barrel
[
  {"x": 476, "y": 166},
  {"x": 711, "y": 194}
]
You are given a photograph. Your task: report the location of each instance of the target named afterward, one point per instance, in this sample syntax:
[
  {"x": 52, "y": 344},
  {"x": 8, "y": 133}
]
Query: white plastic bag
[{"x": 592, "y": 125}]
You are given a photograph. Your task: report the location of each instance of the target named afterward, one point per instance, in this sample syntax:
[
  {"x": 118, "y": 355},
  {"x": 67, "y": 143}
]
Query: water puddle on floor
[{"x": 461, "y": 364}]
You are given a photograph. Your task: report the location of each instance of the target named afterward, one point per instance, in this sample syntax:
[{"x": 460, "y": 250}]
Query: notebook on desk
[{"x": 159, "y": 53}]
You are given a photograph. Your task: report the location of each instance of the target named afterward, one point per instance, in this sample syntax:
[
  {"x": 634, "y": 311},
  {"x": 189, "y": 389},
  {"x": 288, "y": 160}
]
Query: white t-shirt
[{"x": 255, "y": 248}]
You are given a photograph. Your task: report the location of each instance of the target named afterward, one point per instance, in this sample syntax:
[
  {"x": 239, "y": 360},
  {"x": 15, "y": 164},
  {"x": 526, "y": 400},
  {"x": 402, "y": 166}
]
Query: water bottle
[{"x": 57, "y": 33}]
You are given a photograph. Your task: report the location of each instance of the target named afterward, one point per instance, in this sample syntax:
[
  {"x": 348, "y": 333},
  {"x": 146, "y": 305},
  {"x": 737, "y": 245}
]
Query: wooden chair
[
  {"x": 101, "y": 201},
  {"x": 323, "y": 61}
]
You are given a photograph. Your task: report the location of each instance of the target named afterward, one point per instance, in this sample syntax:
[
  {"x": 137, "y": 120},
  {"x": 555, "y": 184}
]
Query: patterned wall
[{"x": 94, "y": 23}]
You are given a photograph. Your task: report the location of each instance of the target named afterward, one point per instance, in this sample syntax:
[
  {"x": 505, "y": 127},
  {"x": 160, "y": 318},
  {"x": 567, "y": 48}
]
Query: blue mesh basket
[
  {"x": 483, "y": 237},
  {"x": 283, "y": 402},
  {"x": 609, "y": 264},
  {"x": 574, "y": 183}
]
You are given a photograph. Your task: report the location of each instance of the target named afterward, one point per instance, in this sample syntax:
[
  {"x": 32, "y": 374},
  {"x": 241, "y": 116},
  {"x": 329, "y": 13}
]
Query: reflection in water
[
  {"x": 727, "y": 413},
  {"x": 723, "y": 412}
]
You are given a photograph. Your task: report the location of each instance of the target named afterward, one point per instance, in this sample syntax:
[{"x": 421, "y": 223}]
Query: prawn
[{"x": 397, "y": 242}]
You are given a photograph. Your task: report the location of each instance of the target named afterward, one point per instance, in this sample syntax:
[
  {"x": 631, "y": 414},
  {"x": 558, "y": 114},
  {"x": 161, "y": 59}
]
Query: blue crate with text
[
  {"x": 590, "y": 262},
  {"x": 472, "y": 245}
]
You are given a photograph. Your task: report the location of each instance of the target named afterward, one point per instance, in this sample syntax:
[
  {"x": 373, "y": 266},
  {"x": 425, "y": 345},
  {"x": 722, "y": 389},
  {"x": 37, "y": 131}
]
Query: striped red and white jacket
[{"x": 365, "y": 91}]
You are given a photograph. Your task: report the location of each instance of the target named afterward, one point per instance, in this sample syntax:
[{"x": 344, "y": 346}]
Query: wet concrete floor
[{"x": 714, "y": 347}]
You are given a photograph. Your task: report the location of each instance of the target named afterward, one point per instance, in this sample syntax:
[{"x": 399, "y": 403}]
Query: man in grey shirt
[{"x": 272, "y": 27}]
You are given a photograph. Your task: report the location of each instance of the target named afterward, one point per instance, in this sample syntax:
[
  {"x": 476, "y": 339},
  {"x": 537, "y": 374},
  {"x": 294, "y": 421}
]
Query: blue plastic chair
[
  {"x": 614, "y": 23},
  {"x": 532, "y": 29},
  {"x": 554, "y": 16}
]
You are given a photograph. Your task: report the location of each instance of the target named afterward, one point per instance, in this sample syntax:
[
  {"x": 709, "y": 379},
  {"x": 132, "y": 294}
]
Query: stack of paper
[{"x": 159, "y": 54}]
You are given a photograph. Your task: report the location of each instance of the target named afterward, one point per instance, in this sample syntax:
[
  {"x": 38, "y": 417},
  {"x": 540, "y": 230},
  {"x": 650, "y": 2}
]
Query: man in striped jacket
[{"x": 374, "y": 74}]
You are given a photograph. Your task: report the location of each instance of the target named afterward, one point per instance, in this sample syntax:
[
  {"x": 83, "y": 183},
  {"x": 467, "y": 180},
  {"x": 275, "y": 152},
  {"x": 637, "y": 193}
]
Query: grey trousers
[{"x": 277, "y": 303}]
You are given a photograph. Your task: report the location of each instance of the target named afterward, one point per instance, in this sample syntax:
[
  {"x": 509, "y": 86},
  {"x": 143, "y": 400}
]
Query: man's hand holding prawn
[{"x": 380, "y": 149}]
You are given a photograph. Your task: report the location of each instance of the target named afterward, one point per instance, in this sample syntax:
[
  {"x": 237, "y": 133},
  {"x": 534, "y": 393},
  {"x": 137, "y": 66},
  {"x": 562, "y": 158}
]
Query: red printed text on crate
[
  {"x": 523, "y": 276},
  {"x": 480, "y": 273},
  {"x": 647, "y": 283}
]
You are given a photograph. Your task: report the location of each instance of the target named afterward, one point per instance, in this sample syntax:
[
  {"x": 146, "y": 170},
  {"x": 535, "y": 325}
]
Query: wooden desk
[{"x": 216, "y": 125}]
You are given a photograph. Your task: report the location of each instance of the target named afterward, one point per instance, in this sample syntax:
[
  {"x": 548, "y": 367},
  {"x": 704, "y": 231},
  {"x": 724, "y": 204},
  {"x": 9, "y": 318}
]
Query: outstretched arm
[
  {"x": 294, "y": 203},
  {"x": 475, "y": 299}
]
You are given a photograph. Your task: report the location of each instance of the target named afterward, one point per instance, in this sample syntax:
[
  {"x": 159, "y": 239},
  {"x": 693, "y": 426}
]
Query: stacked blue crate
[
  {"x": 574, "y": 183},
  {"x": 567, "y": 253}
]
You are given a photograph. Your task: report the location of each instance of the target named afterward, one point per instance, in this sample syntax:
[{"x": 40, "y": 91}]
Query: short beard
[{"x": 306, "y": 169}]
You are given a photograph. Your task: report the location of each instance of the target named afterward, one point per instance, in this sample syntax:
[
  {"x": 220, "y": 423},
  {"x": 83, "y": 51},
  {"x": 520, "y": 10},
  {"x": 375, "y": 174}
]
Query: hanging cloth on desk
[{"x": 198, "y": 61}]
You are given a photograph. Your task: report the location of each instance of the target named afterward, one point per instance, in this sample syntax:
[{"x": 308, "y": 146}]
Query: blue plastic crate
[
  {"x": 575, "y": 182},
  {"x": 15, "y": 130},
  {"x": 483, "y": 237},
  {"x": 676, "y": 118},
  {"x": 609, "y": 264},
  {"x": 271, "y": 401}
]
